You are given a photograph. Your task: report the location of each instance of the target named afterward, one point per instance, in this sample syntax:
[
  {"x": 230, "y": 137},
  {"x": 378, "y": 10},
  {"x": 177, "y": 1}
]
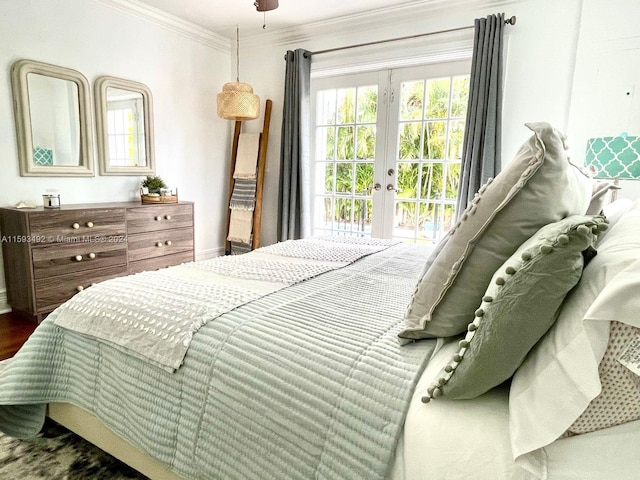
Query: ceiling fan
[{"x": 266, "y": 5}]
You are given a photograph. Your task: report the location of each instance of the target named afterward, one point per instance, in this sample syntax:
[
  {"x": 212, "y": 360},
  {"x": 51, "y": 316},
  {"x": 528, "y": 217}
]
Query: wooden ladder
[{"x": 262, "y": 161}]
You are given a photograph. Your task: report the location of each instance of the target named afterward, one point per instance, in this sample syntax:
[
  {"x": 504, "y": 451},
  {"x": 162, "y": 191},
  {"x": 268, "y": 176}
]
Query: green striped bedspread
[{"x": 309, "y": 382}]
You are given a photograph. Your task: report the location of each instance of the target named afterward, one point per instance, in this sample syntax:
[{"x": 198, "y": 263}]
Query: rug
[{"x": 58, "y": 454}]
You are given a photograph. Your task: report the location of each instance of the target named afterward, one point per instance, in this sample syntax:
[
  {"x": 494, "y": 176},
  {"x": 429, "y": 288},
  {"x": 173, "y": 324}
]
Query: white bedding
[{"x": 469, "y": 439}]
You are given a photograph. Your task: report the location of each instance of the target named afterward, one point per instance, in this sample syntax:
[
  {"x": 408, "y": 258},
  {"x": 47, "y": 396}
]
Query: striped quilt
[
  {"x": 155, "y": 314},
  {"x": 309, "y": 382}
]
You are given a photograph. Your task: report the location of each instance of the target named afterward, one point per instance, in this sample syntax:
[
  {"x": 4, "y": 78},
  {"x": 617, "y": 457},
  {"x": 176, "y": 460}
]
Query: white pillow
[{"x": 560, "y": 377}]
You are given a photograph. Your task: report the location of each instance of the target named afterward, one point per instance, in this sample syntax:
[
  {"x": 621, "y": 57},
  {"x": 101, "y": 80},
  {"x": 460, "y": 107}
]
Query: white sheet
[{"x": 469, "y": 439}]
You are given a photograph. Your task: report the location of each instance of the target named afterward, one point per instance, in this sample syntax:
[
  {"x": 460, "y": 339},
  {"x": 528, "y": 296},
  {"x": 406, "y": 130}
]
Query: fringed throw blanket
[{"x": 155, "y": 314}]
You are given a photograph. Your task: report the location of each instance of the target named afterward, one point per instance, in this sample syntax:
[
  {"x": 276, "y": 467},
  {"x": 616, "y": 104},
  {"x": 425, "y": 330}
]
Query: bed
[{"x": 480, "y": 357}]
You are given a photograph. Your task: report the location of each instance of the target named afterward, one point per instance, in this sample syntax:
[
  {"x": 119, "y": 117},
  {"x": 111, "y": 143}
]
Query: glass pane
[
  {"x": 405, "y": 220},
  {"x": 344, "y": 177},
  {"x": 460, "y": 96},
  {"x": 322, "y": 213},
  {"x": 366, "y": 146},
  {"x": 343, "y": 214},
  {"x": 364, "y": 178},
  {"x": 453, "y": 179},
  {"x": 345, "y": 143},
  {"x": 326, "y": 107},
  {"x": 328, "y": 178},
  {"x": 449, "y": 218},
  {"x": 411, "y": 100},
  {"x": 409, "y": 141},
  {"x": 362, "y": 215},
  {"x": 427, "y": 221},
  {"x": 434, "y": 135},
  {"x": 456, "y": 139},
  {"x": 438, "y": 95},
  {"x": 346, "y": 105},
  {"x": 325, "y": 143},
  {"x": 367, "y": 104},
  {"x": 407, "y": 179},
  {"x": 432, "y": 176}
]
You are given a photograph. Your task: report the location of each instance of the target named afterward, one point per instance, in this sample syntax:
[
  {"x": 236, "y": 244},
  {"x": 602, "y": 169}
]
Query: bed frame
[{"x": 92, "y": 429}]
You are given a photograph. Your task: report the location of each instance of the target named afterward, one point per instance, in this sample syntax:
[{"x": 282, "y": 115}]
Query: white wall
[
  {"x": 539, "y": 64},
  {"x": 183, "y": 73},
  {"x": 606, "y": 88}
]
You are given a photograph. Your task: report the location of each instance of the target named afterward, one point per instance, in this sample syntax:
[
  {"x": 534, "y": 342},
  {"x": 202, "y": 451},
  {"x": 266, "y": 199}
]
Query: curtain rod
[{"x": 508, "y": 21}]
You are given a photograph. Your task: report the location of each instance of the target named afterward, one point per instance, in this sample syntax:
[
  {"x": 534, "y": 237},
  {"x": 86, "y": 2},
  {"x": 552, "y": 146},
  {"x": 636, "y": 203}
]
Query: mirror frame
[
  {"x": 100, "y": 92},
  {"x": 24, "y": 136}
]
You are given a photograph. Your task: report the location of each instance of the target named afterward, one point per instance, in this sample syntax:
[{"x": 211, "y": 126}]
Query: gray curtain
[
  {"x": 294, "y": 210},
  {"x": 483, "y": 130}
]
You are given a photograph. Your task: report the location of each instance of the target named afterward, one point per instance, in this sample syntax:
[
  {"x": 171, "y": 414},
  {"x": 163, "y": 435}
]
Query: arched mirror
[
  {"x": 53, "y": 120},
  {"x": 124, "y": 121}
]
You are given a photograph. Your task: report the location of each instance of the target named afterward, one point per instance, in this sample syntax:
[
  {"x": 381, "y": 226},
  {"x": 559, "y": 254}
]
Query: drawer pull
[
  {"x": 90, "y": 224},
  {"x": 79, "y": 288},
  {"x": 78, "y": 258},
  {"x": 92, "y": 255},
  {"x": 158, "y": 217},
  {"x": 168, "y": 242},
  {"x": 76, "y": 226},
  {"x": 168, "y": 217},
  {"x": 159, "y": 244}
]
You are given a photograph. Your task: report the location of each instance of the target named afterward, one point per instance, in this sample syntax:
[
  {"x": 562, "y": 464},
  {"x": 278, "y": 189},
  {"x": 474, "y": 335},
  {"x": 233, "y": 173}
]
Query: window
[{"x": 387, "y": 150}]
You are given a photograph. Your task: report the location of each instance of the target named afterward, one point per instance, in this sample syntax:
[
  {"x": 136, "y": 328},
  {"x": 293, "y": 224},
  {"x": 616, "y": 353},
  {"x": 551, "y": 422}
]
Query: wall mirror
[
  {"x": 53, "y": 120},
  {"x": 124, "y": 121}
]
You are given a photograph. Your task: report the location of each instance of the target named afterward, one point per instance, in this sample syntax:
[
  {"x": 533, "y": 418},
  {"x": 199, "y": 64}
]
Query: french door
[{"x": 386, "y": 151}]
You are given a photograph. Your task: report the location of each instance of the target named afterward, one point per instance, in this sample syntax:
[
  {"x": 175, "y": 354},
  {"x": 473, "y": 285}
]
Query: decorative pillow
[
  {"x": 538, "y": 187},
  {"x": 520, "y": 304},
  {"x": 559, "y": 377},
  {"x": 618, "y": 401}
]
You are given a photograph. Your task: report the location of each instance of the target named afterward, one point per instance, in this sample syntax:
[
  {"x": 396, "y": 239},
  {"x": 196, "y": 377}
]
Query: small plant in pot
[{"x": 153, "y": 184}]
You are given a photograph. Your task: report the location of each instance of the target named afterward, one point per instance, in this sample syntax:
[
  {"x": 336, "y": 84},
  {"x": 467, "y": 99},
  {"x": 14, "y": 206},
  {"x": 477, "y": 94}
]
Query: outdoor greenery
[{"x": 428, "y": 165}]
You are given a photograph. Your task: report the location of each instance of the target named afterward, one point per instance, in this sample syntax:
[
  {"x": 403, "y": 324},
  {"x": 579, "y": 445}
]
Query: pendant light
[{"x": 237, "y": 100}]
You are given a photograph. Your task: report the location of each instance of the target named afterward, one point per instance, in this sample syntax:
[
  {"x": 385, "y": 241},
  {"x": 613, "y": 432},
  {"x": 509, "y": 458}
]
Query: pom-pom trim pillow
[
  {"x": 520, "y": 304},
  {"x": 538, "y": 187}
]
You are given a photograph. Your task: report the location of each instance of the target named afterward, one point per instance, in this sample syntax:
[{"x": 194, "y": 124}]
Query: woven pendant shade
[{"x": 238, "y": 102}]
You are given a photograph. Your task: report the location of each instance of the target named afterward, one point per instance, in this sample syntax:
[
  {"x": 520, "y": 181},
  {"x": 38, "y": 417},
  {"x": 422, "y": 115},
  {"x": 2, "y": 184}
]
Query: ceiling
[{"x": 221, "y": 16}]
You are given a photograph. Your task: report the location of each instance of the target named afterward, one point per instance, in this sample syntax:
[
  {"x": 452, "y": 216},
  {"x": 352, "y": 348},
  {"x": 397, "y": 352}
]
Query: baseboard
[
  {"x": 210, "y": 253},
  {"x": 4, "y": 306}
]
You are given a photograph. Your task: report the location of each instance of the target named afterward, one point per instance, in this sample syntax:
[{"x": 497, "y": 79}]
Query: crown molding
[
  {"x": 398, "y": 15},
  {"x": 171, "y": 23}
]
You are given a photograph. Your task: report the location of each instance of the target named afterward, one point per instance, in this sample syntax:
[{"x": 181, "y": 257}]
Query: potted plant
[
  {"x": 153, "y": 184},
  {"x": 154, "y": 190}
]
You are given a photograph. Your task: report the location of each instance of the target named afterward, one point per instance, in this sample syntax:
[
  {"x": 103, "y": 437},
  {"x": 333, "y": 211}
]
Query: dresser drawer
[
  {"x": 52, "y": 291},
  {"x": 155, "y": 244},
  {"x": 76, "y": 225},
  {"x": 60, "y": 259},
  {"x": 162, "y": 217},
  {"x": 160, "y": 262}
]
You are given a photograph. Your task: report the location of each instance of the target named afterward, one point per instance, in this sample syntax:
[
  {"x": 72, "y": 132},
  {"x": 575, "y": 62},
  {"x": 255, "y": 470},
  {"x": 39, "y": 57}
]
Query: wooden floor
[{"x": 14, "y": 331}]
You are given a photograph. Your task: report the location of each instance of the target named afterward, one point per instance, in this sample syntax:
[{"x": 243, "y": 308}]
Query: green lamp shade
[{"x": 614, "y": 157}]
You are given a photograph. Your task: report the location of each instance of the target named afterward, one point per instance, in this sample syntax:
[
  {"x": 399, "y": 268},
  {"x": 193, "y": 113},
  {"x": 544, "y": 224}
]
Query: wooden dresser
[{"x": 51, "y": 254}]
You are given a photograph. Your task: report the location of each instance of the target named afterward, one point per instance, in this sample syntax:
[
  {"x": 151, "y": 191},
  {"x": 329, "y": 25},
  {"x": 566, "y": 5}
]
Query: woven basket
[{"x": 146, "y": 199}]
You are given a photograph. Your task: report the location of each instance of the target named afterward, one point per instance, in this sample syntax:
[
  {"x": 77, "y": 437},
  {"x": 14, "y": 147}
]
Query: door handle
[
  {"x": 391, "y": 188},
  {"x": 377, "y": 187}
]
